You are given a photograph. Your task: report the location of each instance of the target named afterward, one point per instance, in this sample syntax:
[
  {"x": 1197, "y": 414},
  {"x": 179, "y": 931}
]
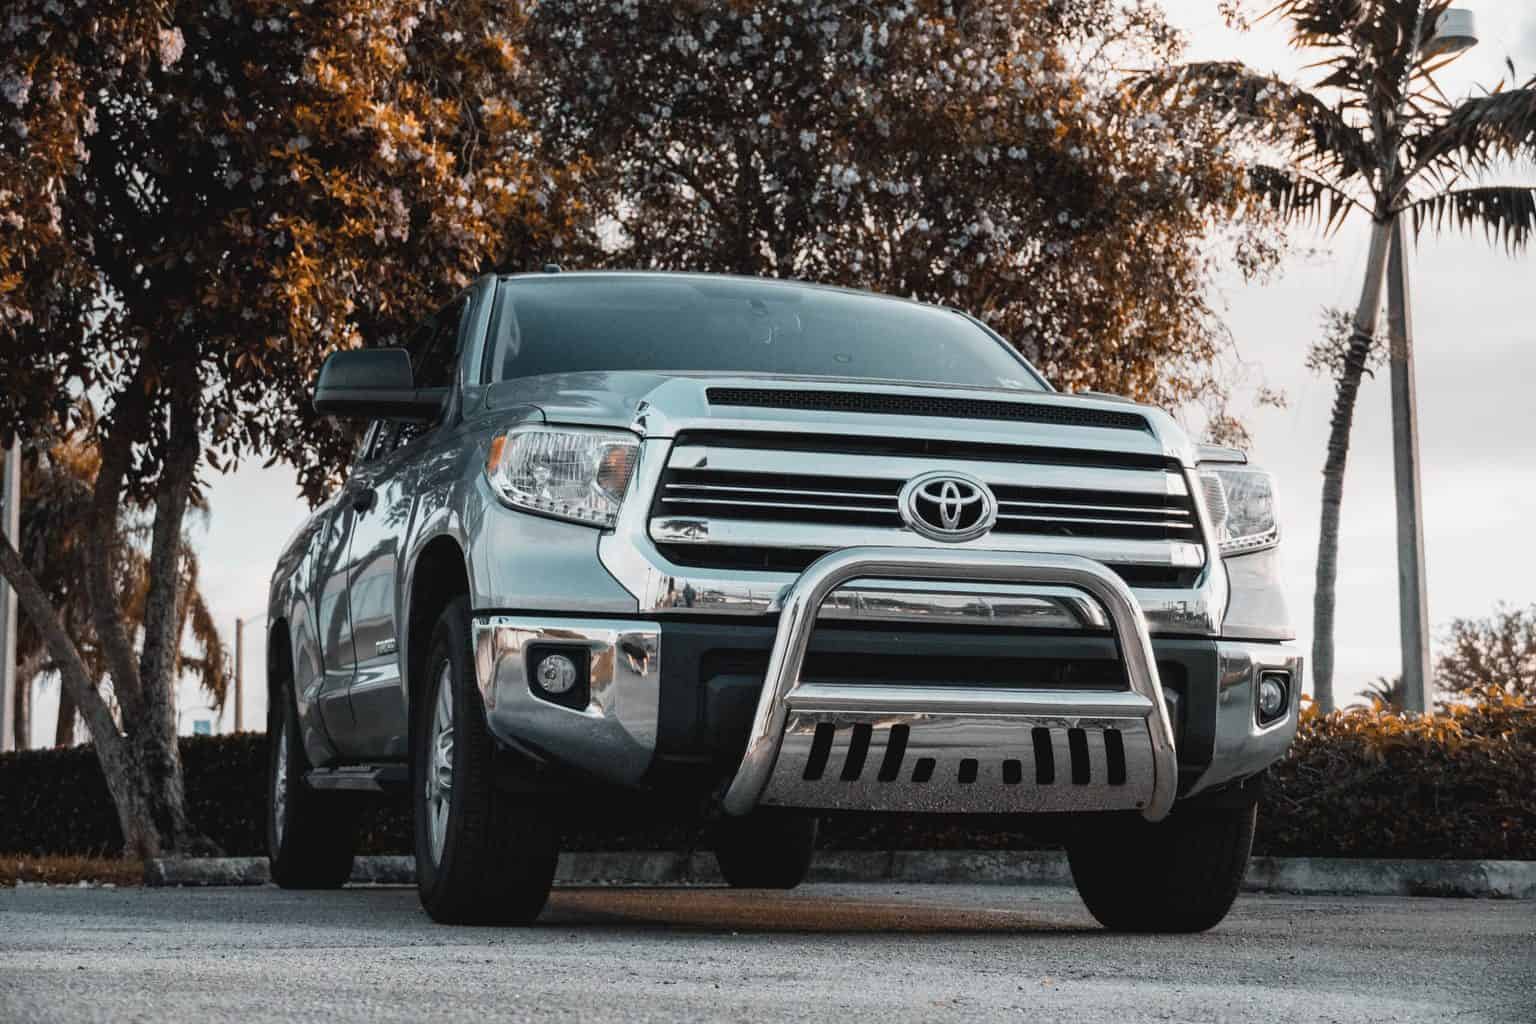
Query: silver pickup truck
[{"x": 744, "y": 554}]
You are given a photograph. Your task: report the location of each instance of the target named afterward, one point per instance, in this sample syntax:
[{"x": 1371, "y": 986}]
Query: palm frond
[
  {"x": 1320, "y": 22},
  {"x": 1264, "y": 107},
  {"x": 1506, "y": 213},
  {"x": 1299, "y": 197},
  {"x": 1482, "y": 129}
]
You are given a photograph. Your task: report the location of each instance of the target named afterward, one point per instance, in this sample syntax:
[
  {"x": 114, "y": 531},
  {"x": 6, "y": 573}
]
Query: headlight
[
  {"x": 580, "y": 475},
  {"x": 1241, "y": 502}
]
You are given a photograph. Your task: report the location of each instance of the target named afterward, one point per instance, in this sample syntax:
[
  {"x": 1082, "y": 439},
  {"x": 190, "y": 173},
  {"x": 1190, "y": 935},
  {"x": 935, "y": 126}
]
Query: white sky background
[{"x": 1475, "y": 325}]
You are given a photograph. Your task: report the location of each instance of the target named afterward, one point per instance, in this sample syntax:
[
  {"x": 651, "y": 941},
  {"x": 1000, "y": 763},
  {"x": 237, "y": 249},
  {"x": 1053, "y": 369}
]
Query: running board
[{"x": 360, "y": 778}]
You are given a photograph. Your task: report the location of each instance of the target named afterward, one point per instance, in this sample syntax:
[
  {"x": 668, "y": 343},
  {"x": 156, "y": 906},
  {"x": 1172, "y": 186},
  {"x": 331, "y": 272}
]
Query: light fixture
[
  {"x": 1274, "y": 693},
  {"x": 1455, "y": 31},
  {"x": 556, "y": 674}
]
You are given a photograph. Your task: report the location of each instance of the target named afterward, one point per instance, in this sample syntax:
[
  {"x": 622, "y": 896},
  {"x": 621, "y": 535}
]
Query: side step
[{"x": 360, "y": 778}]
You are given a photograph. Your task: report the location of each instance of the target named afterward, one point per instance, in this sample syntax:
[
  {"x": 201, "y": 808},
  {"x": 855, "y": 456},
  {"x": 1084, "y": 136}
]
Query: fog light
[
  {"x": 1272, "y": 697},
  {"x": 556, "y": 673}
]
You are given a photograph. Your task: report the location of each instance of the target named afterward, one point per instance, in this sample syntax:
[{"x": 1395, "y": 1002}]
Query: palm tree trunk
[
  {"x": 1360, "y": 343},
  {"x": 27, "y": 670},
  {"x": 64, "y": 728}
]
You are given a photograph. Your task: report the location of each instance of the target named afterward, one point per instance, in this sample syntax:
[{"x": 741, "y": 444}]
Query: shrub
[
  {"x": 1374, "y": 782},
  {"x": 1363, "y": 782},
  {"x": 56, "y": 801}
]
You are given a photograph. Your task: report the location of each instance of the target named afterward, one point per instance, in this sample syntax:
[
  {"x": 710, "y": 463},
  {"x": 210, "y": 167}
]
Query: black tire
[
  {"x": 496, "y": 861},
  {"x": 765, "y": 850},
  {"x": 310, "y": 835},
  {"x": 1178, "y": 876}
]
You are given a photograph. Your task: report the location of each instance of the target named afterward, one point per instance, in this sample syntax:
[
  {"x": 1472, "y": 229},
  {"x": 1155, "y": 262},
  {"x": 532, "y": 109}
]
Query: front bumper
[{"x": 998, "y": 747}]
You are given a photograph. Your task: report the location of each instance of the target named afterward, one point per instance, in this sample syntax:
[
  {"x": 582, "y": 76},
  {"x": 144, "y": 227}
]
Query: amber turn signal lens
[
  {"x": 498, "y": 445},
  {"x": 613, "y": 472}
]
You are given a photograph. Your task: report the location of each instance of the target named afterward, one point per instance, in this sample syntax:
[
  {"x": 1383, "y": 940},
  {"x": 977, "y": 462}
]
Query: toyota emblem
[{"x": 948, "y": 506}]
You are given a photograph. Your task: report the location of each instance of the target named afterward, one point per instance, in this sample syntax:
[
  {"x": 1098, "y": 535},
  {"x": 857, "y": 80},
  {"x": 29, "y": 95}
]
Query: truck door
[{"x": 384, "y": 512}]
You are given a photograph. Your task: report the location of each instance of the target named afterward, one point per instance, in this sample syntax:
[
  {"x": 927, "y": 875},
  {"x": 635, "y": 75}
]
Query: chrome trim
[
  {"x": 1243, "y": 746},
  {"x": 860, "y": 495},
  {"x": 1036, "y": 607},
  {"x": 900, "y": 468},
  {"x": 965, "y": 700},
  {"x": 949, "y": 504},
  {"x": 951, "y": 745},
  {"x": 790, "y": 506},
  {"x": 1167, "y": 524},
  {"x": 806, "y": 596},
  {"x": 614, "y": 736},
  {"x": 770, "y": 534}
]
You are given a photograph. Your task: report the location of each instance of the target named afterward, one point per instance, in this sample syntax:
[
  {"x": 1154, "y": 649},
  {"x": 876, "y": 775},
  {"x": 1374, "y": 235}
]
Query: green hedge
[{"x": 1360, "y": 783}]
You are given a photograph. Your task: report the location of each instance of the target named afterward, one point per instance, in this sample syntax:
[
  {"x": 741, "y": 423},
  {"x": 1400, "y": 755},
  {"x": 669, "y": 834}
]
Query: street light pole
[
  {"x": 1412, "y": 597},
  {"x": 10, "y": 523},
  {"x": 239, "y": 675},
  {"x": 1455, "y": 32}
]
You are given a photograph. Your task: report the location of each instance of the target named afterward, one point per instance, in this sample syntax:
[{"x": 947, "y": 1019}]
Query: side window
[
  {"x": 434, "y": 362},
  {"x": 434, "y": 350}
]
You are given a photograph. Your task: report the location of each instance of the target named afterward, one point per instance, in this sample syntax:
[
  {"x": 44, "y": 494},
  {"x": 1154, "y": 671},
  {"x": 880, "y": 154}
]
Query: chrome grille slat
[
  {"x": 1140, "y": 481},
  {"x": 779, "y": 490},
  {"x": 1101, "y": 509},
  {"x": 1171, "y": 524},
  {"x": 787, "y": 505}
]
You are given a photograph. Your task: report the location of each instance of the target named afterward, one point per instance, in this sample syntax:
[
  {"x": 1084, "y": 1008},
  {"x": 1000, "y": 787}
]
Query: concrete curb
[{"x": 1498, "y": 879}]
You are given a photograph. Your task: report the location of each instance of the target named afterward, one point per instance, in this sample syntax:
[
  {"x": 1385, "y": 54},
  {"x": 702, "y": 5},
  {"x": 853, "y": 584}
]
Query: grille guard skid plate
[{"x": 979, "y": 740}]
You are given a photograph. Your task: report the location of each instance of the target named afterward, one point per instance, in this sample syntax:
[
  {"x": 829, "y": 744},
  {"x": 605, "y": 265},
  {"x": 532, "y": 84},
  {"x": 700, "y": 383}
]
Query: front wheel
[
  {"x": 765, "y": 850},
  {"x": 483, "y": 856},
  {"x": 1180, "y": 875}
]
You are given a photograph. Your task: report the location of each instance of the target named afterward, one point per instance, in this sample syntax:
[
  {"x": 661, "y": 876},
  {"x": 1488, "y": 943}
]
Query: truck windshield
[{"x": 569, "y": 323}]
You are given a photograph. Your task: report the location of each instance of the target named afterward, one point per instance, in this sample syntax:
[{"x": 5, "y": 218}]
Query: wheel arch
[
  {"x": 280, "y": 668},
  {"x": 439, "y": 574}
]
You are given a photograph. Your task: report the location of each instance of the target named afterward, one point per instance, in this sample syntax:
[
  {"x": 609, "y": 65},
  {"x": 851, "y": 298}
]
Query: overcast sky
[{"x": 1475, "y": 324}]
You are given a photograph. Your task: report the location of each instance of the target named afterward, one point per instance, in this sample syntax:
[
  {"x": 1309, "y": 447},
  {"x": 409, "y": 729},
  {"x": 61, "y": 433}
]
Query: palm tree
[
  {"x": 1390, "y": 693},
  {"x": 57, "y": 483},
  {"x": 1376, "y": 137}
]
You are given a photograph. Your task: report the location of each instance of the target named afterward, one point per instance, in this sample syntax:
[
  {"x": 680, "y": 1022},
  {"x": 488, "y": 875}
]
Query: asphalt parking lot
[{"x": 824, "y": 953}]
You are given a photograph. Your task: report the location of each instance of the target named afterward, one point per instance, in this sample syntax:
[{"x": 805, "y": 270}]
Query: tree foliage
[
  {"x": 974, "y": 155},
  {"x": 56, "y": 487},
  {"x": 201, "y": 200},
  {"x": 1496, "y": 651}
]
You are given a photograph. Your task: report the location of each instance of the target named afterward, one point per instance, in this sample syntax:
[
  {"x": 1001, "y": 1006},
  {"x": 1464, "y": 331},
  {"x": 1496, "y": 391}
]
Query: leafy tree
[
  {"x": 56, "y": 488},
  {"x": 201, "y": 200},
  {"x": 976, "y": 155},
  {"x": 1375, "y": 137},
  {"x": 1497, "y": 651}
]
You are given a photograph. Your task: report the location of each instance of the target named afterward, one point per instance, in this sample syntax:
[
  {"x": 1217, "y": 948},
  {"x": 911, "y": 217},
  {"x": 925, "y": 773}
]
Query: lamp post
[
  {"x": 10, "y": 524},
  {"x": 1455, "y": 32}
]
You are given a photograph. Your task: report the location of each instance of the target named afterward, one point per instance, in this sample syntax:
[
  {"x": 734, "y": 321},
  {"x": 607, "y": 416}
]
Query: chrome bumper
[
  {"x": 962, "y": 750},
  {"x": 614, "y": 736},
  {"x": 904, "y": 748}
]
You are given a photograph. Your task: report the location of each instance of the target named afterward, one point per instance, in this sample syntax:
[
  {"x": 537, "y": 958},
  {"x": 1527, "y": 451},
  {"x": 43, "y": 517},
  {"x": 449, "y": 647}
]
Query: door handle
[{"x": 363, "y": 500}]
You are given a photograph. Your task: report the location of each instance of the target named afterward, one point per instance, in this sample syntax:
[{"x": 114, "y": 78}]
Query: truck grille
[
  {"x": 872, "y": 501},
  {"x": 757, "y": 501}
]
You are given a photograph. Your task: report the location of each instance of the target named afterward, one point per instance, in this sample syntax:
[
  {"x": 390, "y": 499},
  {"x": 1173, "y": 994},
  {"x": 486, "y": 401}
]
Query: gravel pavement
[{"x": 824, "y": 954}]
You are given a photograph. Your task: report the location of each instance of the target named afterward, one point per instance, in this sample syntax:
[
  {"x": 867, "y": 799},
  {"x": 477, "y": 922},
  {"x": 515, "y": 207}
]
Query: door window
[{"x": 434, "y": 351}]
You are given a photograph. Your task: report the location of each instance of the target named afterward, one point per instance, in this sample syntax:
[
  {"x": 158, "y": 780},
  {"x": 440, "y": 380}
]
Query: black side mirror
[{"x": 374, "y": 384}]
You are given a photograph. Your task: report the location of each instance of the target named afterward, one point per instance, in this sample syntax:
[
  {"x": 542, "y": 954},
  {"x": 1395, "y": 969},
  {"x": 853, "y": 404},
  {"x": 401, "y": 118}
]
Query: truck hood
[{"x": 664, "y": 404}]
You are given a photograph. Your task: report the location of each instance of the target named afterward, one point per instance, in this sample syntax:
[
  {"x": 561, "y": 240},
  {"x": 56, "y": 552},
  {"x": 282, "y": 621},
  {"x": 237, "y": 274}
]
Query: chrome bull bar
[{"x": 967, "y": 721}]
